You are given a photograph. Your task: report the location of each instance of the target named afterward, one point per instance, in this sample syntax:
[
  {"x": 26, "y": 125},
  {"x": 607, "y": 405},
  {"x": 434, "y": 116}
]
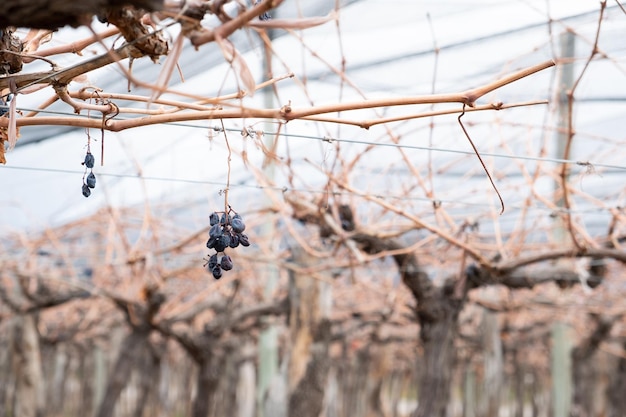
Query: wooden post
[
  {"x": 469, "y": 392},
  {"x": 566, "y": 83},
  {"x": 268, "y": 340},
  {"x": 561, "y": 370},
  {"x": 561, "y": 345},
  {"x": 493, "y": 363},
  {"x": 99, "y": 378},
  {"x": 246, "y": 386}
]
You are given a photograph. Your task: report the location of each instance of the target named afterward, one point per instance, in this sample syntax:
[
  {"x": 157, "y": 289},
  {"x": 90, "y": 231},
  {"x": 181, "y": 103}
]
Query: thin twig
[
  {"x": 481, "y": 160},
  {"x": 228, "y": 169},
  {"x": 570, "y": 132}
]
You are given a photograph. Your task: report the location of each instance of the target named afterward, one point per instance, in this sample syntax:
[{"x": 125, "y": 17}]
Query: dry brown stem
[
  {"x": 565, "y": 168},
  {"x": 199, "y": 38},
  {"x": 285, "y": 113}
]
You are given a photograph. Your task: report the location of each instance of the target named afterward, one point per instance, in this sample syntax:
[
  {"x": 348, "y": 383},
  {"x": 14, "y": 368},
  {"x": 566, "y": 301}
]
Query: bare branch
[{"x": 284, "y": 113}]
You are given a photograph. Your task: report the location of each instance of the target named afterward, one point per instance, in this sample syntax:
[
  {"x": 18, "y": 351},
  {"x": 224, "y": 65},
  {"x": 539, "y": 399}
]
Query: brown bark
[
  {"x": 132, "y": 348},
  {"x": 307, "y": 399},
  {"x": 518, "y": 384},
  {"x": 10, "y": 48},
  {"x": 29, "y": 390},
  {"x": 209, "y": 374},
  {"x": 353, "y": 382},
  {"x": 53, "y": 14},
  {"x": 439, "y": 328},
  {"x": 139, "y": 316},
  {"x": 143, "y": 43},
  {"x": 617, "y": 390},
  {"x": 148, "y": 378},
  {"x": 310, "y": 337},
  {"x": 437, "y": 311},
  {"x": 585, "y": 370}
]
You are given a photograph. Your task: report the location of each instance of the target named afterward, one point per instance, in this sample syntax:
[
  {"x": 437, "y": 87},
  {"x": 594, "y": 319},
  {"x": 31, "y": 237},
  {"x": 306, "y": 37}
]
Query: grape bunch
[
  {"x": 90, "y": 181},
  {"x": 226, "y": 232}
]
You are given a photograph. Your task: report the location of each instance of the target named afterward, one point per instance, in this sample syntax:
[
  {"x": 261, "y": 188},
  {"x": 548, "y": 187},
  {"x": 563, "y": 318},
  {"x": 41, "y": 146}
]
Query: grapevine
[{"x": 226, "y": 231}]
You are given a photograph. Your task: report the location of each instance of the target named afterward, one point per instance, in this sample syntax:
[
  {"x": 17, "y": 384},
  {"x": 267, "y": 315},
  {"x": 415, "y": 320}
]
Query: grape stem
[{"x": 226, "y": 206}]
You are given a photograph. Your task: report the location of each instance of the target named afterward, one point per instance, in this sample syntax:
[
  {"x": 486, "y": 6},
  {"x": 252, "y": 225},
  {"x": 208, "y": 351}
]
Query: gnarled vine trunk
[
  {"x": 29, "y": 389},
  {"x": 617, "y": 389},
  {"x": 437, "y": 333},
  {"x": 585, "y": 375},
  {"x": 209, "y": 373},
  {"x": 437, "y": 311},
  {"x": 53, "y": 14},
  {"x": 310, "y": 330},
  {"x": 132, "y": 348}
]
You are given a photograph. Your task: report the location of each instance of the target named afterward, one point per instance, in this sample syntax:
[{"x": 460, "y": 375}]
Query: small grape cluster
[
  {"x": 90, "y": 181},
  {"x": 226, "y": 232}
]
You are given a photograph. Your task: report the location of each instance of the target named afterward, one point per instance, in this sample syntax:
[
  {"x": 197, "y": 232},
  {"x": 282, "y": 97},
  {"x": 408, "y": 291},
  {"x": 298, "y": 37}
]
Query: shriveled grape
[
  {"x": 89, "y": 160},
  {"x": 86, "y": 190},
  {"x": 217, "y": 272},
  {"x": 243, "y": 239},
  {"x": 226, "y": 263},
  {"x": 222, "y": 243},
  {"x": 214, "y": 219},
  {"x": 215, "y": 231},
  {"x": 212, "y": 261},
  {"x": 91, "y": 180},
  {"x": 238, "y": 225}
]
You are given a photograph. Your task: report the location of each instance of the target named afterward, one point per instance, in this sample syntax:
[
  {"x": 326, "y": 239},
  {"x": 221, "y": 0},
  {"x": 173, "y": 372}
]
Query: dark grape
[
  {"x": 214, "y": 219},
  {"x": 212, "y": 262},
  {"x": 215, "y": 231},
  {"x": 234, "y": 241},
  {"x": 243, "y": 239},
  {"x": 89, "y": 160},
  {"x": 86, "y": 190},
  {"x": 226, "y": 263},
  {"x": 219, "y": 246},
  {"x": 222, "y": 243},
  {"x": 217, "y": 272},
  {"x": 211, "y": 242},
  {"x": 238, "y": 225},
  {"x": 91, "y": 180}
]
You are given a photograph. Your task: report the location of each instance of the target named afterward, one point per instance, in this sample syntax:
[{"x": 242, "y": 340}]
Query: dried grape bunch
[
  {"x": 90, "y": 181},
  {"x": 226, "y": 232}
]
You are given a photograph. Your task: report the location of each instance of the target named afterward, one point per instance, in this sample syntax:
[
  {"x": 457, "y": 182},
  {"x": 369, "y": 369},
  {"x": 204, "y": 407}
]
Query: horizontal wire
[
  {"x": 251, "y": 131},
  {"x": 368, "y": 143},
  {"x": 286, "y": 189},
  {"x": 459, "y": 151}
]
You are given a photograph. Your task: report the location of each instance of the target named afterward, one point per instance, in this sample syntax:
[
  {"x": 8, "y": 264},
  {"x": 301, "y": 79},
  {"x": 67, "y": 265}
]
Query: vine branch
[{"x": 285, "y": 113}]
